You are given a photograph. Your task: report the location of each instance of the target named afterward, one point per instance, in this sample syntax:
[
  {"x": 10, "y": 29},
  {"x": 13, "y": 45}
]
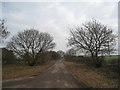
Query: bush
[
  {"x": 43, "y": 58},
  {"x": 112, "y": 65},
  {"x": 54, "y": 55},
  {"x": 86, "y": 60},
  {"x": 77, "y": 59},
  {"x": 99, "y": 62},
  {"x": 8, "y": 57}
]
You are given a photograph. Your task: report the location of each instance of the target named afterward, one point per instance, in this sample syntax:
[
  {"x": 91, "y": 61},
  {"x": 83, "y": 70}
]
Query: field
[
  {"x": 109, "y": 58},
  {"x": 92, "y": 77},
  {"x": 13, "y": 71}
]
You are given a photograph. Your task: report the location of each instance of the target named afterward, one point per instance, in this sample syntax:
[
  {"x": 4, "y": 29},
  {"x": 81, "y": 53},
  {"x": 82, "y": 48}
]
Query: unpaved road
[{"x": 54, "y": 77}]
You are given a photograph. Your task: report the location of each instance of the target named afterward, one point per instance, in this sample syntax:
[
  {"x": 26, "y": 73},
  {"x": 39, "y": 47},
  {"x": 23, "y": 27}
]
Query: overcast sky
[{"x": 57, "y": 18}]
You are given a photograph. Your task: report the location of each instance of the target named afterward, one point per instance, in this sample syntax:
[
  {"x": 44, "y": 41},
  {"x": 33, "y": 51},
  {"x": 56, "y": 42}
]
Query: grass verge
[
  {"x": 90, "y": 76},
  {"x": 14, "y": 71}
]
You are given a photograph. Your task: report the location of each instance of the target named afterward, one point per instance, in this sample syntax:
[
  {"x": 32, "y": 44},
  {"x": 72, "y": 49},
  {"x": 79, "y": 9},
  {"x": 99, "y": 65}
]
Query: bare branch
[
  {"x": 92, "y": 37},
  {"x": 29, "y": 43}
]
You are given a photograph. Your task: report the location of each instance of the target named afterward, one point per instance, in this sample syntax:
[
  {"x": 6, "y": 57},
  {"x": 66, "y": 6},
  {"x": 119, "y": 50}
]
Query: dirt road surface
[{"x": 55, "y": 77}]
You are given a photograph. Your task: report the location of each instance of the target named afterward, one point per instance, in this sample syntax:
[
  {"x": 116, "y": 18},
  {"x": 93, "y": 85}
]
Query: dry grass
[
  {"x": 90, "y": 76},
  {"x": 13, "y": 71}
]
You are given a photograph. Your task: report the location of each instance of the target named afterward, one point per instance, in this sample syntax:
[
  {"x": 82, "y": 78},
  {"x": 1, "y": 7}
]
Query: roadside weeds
[
  {"x": 90, "y": 76},
  {"x": 16, "y": 71}
]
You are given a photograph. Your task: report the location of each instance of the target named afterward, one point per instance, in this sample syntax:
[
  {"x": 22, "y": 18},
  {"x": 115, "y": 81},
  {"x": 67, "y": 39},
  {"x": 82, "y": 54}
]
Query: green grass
[{"x": 109, "y": 58}]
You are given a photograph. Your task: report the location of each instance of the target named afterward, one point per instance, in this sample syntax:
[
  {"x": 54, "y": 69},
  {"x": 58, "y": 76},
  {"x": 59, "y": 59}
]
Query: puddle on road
[{"x": 32, "y": 76}]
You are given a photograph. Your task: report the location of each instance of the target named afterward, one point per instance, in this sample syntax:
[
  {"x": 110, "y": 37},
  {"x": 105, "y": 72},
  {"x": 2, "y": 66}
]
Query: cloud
[
  {"x": 60, "y": 0},
  {"x": 57, "y": 17}
]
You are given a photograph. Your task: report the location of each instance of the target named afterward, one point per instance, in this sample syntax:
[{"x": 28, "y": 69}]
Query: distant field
[
  {"x": 13, "y": 71},
  {"x": 107, "y": 58}
]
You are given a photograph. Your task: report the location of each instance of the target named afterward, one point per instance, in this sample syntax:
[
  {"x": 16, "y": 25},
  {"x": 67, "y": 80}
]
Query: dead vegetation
[
  {"x": 90, "y": 76},
  {"x": 14, "y": 71}
]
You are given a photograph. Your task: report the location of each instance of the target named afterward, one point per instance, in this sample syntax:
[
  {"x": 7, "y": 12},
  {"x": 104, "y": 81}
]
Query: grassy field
[
  {"x": 92, "y": 77},
  {"x": 109, "y": 58},
  {"x": 13, "y": 71}
]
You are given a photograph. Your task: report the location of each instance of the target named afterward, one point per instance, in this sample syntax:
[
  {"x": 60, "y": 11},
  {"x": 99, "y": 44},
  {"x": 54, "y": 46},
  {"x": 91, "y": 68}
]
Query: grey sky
[{"x": 57, "y": 17}]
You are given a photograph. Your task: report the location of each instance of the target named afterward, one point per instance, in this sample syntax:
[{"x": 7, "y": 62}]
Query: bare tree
[
  {"x": 93, "y": 38},
  {"x": 3, "y": 30},
  {"x": 30, "y": 43}
]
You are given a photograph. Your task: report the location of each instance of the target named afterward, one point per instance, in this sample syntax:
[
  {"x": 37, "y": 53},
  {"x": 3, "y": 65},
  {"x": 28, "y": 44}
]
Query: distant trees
[
  {"x": 54, "y": 55},
  {"x": 47, "y": 56},
  {"x": 71, "y": 52},
  {"x": 93, "y": 38},
  {"x": 3, "y": 30},
  {"x": 61, "y": 53},
  {"x": 30, "y": 43}
]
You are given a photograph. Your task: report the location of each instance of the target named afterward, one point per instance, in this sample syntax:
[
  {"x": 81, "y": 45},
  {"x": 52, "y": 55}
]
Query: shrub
[
  {"x": 8, "y": 57},
  {"x": 112, "y": 65},
  {"x": 99, "y": 62},
  {"x": 43, "y": 58},
  {"x": 54, "y": 55}
]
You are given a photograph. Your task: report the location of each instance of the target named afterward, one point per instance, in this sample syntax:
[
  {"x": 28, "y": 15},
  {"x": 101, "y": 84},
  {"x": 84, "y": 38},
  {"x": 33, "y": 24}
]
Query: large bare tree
[
  {"x": 93, "y": 38},
  {"x": 30, "y": 43}
]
